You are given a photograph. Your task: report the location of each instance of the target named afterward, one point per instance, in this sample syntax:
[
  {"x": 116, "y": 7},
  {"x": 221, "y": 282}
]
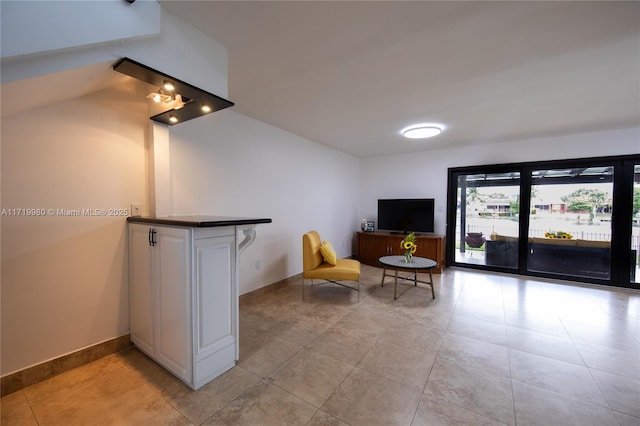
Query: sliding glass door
[
  {"x": 487, "y": 219},
  {"x": 634, "y": 252},
  {"x": 570, "y": 219}
]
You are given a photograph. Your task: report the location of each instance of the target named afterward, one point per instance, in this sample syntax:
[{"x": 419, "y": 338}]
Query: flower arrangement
[
  {"x": 409, "y": 246},
  {"x": 558, "y": 234}
]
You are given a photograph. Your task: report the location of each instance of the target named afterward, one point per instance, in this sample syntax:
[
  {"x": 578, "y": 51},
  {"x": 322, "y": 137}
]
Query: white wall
[
  {"x": 178, "y": 49},
  {"x": 64, "y": 279},
  {"x": 425, "y": 174},
  {"x": 231, "y": 165},
  {"x": 31, "y": 27}
]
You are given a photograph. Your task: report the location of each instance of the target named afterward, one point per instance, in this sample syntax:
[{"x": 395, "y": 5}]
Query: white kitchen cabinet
[{"x": 183, "y": 298}]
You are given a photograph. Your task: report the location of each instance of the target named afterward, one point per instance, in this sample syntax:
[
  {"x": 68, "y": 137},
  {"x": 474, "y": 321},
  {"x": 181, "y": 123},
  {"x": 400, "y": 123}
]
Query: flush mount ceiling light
[
  {"x": 185, "y": 101},
  {"x": 422, "y": 131}
]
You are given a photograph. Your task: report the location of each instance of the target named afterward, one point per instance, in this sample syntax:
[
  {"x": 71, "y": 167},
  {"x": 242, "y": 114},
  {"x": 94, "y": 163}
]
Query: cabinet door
[
  {"x": 140, "y": 288},
  {"x": 215, "y": 301},
  {"x": 427, "y": 247},
  {"x": 370, "y": 248},
  {"x": 394, "y": 246},
  {"x": 172, "y": 277},
  {"x": 215, "y": 305},
  {"x": 431, "y": 247}
]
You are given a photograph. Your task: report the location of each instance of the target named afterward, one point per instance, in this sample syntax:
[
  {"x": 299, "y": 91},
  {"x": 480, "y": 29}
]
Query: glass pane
[
  {"x": 635, "y": 229},
  {"x": 488, "y": 209},
  {"x": 570, "y": 222}
]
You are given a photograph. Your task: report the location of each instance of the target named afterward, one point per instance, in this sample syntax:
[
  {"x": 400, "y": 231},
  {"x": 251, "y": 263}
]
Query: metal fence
[{"x": 581, "y": 235}]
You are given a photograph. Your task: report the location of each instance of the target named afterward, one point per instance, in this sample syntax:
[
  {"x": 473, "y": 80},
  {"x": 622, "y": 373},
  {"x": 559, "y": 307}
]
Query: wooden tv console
[{"x": 373, "y": 245}]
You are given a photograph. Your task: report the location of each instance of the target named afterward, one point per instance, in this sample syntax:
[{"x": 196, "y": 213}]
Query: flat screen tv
[{"x": 406, "y": 215}]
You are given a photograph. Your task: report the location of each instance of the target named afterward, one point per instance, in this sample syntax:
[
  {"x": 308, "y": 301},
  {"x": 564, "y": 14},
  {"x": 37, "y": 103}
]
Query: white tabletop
[{"x": 415, "y": 263}]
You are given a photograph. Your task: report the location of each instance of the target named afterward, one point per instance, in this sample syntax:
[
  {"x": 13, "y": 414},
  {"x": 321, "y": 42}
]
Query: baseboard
[
  {"x": 244, "y": 298},
  {"x": 38, "y": 373},
  {"x": 30, "y": 376}
]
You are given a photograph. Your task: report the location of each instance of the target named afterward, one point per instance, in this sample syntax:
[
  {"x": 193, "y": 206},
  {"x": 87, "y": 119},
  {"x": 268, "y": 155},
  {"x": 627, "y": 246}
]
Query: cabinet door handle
[{"x": 152, "y": 237}]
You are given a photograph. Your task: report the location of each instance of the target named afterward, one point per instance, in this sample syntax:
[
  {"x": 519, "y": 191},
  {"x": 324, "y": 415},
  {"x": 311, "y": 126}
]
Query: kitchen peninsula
[{"x": 183, "y": 281}]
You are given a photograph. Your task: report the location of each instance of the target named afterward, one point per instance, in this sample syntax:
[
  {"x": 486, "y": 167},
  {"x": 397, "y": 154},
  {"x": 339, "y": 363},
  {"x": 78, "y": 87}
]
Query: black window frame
[{"x": 621, "y": 226}]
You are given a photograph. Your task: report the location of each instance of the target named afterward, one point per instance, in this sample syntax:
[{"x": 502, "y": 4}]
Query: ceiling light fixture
[
  {"x": 167, "y": 85},
  {"x": 179, "y": 99},
  {"x": 159, "y": 96},
  {"x": 155, "y": 97},
  {"x": 422, "y": 131}
]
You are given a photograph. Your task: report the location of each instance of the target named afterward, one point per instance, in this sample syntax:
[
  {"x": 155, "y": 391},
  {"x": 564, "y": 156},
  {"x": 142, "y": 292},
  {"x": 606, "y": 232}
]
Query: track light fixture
[
  {"x": 168, "y": 86},
  {"x": 160, "y": 96},
  {"x": 184, "y": 100}
]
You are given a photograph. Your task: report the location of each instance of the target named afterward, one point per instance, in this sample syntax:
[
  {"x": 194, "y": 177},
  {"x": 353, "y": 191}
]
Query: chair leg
[{"x": 310, "y": 287}]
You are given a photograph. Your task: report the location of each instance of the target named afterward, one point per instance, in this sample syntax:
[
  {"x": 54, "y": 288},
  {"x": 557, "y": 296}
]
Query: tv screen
[{"x": 406, "y": 215}]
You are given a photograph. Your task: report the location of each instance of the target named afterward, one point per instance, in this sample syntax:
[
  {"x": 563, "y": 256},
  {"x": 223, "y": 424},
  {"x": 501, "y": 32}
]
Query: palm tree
[{"x": 473, "y": 196}]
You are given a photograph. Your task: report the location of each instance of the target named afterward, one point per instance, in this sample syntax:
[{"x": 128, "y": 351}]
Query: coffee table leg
[
  {"x": 415, "y": 278},
  {"x": 384, "y": 274},
  {"x": 395, "y": 287},
  {"x": 433, "y": 293}
]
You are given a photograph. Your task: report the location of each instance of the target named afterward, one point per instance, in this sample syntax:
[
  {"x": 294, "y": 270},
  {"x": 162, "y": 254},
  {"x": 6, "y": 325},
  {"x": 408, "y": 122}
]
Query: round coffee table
[{"x": 398, "y": 263}]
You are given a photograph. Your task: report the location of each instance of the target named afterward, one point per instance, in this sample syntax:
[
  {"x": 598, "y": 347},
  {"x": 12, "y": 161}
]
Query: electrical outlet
[
  {"x": 135, "y": 209},
  {"x": 258, "y": 264}
]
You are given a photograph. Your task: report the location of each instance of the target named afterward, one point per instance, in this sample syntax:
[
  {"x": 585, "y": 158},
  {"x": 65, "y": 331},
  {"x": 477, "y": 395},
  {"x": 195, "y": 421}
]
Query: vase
[
  {"x": 407, "y": 257},
  {"x": 475, "y": 239}
]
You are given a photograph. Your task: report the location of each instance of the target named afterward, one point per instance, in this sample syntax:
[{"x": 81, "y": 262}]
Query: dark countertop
[{"x": 198, "y": 221}]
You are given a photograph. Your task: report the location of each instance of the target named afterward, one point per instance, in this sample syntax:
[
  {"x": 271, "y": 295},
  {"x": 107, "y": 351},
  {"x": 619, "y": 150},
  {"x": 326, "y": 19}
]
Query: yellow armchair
[{"x": 315, "y": 267}]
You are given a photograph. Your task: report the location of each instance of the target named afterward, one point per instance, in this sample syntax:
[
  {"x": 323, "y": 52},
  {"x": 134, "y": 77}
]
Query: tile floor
[{"x": 491, "y": 349}]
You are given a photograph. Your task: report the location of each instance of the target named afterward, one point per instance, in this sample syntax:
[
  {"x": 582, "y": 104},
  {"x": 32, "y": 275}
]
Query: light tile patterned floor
[{"x": 491, "y": 349}]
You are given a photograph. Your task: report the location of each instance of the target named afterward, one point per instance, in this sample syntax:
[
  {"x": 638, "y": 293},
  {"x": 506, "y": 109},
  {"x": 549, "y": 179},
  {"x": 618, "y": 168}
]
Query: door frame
[{"x": 621, "y": 224}]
